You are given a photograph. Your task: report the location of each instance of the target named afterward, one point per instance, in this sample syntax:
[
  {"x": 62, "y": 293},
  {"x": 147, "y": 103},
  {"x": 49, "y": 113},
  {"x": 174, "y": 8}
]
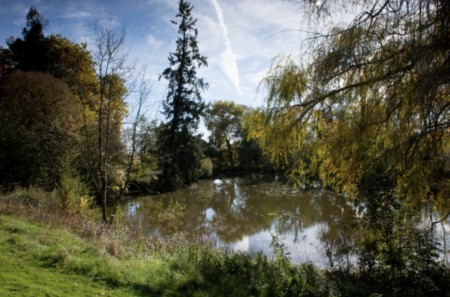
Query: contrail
[{"x": 228, "y": 62}]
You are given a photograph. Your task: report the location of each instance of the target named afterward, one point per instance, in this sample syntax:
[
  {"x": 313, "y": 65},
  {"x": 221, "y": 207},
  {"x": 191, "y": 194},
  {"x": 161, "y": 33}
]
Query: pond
[{"x": 245, "y": 214}]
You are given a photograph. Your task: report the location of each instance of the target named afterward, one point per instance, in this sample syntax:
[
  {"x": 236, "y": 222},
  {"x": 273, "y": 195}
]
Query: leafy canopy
[{"x": 372, "y": 108}]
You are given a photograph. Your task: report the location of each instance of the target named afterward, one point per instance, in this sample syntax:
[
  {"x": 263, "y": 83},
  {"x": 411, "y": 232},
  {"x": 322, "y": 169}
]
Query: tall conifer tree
[{"x": 184, "y": 105}]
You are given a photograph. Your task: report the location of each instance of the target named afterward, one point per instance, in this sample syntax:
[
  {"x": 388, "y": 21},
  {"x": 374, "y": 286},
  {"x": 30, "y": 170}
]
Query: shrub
[
  {"x": 204, "y": 272},
  {"x": 71, "y": 194},
  {"x": 206, "y": 168},
  {"x": 32, "y": 197}
]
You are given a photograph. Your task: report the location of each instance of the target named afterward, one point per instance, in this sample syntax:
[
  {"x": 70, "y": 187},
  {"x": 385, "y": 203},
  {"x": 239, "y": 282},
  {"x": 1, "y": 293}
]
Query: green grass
[
  {"x": 21, "y": 278},
  {"x": 38, "y": 260},
  {"x": 32, "y": 263}
]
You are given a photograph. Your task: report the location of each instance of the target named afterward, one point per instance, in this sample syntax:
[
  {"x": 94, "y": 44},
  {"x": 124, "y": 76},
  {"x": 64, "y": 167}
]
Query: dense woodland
[{"x": 365, "y": 114}]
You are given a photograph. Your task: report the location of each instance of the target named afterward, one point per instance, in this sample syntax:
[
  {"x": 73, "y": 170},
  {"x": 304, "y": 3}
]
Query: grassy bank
[
  {"x": 49, "y": 249},
  {"x": 32, "y": 263},
  {"x": 42, "y": 261}
]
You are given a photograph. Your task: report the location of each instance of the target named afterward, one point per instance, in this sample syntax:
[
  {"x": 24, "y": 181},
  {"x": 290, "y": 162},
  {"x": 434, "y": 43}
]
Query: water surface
[{"x": 246, "y": 214}]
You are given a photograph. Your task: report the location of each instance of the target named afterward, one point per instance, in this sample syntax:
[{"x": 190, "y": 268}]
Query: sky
[{"x": 240, "y": 38}]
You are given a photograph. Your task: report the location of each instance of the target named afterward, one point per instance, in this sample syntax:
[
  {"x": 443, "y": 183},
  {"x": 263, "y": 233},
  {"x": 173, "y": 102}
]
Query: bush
[
  {"x": 205, "y": 272},
  {"x": 71, "y": 194},
  {"x": 32, "y": 197},
  {"x": 206, "y": 168}
]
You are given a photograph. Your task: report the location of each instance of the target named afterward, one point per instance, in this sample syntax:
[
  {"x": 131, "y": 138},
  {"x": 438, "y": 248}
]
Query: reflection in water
[
  {"x": 242, "y": 214},
  {"x": 209, "y": 214}
]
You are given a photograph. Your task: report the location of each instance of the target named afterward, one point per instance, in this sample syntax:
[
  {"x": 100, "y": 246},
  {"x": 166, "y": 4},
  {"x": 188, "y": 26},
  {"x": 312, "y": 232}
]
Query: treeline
[
  {"x": 49, "y": 89},
  {"x": 62, "y": 111},
  {"x": 369, "y": 109}
]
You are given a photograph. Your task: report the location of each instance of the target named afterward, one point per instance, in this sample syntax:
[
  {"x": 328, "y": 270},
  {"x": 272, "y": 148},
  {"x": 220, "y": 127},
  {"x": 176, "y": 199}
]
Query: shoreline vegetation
[{"x": 51, "y": 249}]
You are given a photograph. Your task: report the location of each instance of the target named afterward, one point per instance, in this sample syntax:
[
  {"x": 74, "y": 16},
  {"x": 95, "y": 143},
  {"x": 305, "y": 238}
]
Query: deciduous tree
[
  {"x": 39, "y": 124},
  {"x": 223, "y": 119},
  {"x": 105, "y": 150},
  {"x": 372, "y": 107}
]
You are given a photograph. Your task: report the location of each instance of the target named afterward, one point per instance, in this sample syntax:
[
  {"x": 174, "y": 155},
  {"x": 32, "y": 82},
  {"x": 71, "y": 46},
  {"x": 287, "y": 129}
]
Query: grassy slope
[
  {"x": 43, "y": 261},
  {"x": 29, "y": 267}
]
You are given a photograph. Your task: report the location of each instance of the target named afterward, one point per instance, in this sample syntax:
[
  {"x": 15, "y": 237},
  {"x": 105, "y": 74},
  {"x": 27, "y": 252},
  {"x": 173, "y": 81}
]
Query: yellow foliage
[
  {"x": 83, "y": 202},
  {"x": 378, "y": 122}
]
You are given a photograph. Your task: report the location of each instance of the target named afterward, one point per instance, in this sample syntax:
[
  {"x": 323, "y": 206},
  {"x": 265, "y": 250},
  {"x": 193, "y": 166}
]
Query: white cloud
[
  {"x": 78, "y": 15},
  {"x": 257, "y": 31},
  {"x": 228, "y": 62},
  {"x": 154, "y": 42}
]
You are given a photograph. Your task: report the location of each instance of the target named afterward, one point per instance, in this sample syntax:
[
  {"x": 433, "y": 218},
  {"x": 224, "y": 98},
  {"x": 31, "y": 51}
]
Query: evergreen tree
[
  {"x": 183, "y": 106},
  {"x": 31, "y": 52}
]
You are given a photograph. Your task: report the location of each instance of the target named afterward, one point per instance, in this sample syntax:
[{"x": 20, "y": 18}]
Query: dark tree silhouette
[
  {"x": 31, "y": 52},
  {"x": 180, "y": 150}
]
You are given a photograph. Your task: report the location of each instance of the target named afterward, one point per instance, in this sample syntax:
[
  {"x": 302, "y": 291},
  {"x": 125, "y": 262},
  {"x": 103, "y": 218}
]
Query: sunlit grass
[{"x": 33, "y": 263}]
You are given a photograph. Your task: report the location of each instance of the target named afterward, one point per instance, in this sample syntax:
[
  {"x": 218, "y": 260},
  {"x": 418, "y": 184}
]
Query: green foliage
[
  {"x": 223, "y": 119},
  {"x": 212, "y": 274},
  {"x": 43, "y": 133},
  {"x": 281, "y": 256},
  {"x": 180, "y": 157},
  {"x": 366, "y": 107},
  {"x": 53, "y": 54},
  {"x": 39, "y": 120},
  {"x": 29, "y": 197},
  {"x": 230, "y": 148},
  {"x": 206, "y": 168},
  {"x": 146, "y": 161},
  {"x": 110, "y": 111},
  {"x": 5, "y": 62},
  {"x": 31, "y": 52},
  {"x": 250, "y": 153},
  {"x": 111, "y": 258},
  {"x": 104, "y": 158},
  {"x": 39, "y": 254},
  {"x": 390, "y": 254},
  {"x": 169, "y": 218},
  {"x": 393, "y": 251},
  {"x": 188, "y": 271},
  {"x": 71, "y": 194},
  {"x": 77, "y": 124},
  {"x": 183, "y": 105},
  {"x": 369, "y": 112},
  {"x": 74, "y": 64}
]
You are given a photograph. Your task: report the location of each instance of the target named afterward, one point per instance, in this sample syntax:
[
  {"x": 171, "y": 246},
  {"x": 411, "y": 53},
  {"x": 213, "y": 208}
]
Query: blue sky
[{"x": 239, "y": 37}]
